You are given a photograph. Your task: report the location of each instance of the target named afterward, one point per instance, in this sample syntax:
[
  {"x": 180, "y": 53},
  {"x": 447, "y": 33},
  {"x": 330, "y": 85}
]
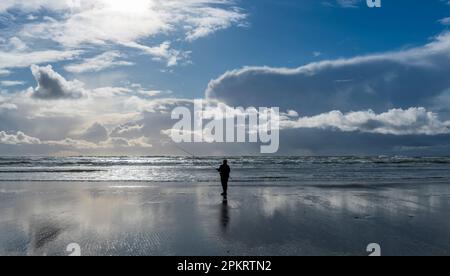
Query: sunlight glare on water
[{"x": 248, "y": 170}]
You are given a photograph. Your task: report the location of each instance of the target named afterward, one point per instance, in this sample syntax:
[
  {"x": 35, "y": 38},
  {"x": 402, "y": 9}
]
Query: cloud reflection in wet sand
[{"x": 174, "y": 219}]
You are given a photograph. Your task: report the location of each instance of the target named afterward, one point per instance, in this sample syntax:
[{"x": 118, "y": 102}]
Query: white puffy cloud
[
  {"x": 98, "y": 63},
  {"x": 21, "y": 139},
  {"x": 413, "y": 121},
  {"x": 18, "y": 138},
  {"x": 52, "y": 86}
]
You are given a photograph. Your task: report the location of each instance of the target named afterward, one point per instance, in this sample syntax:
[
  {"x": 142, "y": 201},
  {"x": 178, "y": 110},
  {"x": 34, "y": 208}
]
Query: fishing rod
[{"x": 191, "y": 154}]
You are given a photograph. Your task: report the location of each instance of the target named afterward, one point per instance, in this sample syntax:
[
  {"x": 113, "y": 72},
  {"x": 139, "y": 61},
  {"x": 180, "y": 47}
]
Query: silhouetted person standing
[{"x": 224, "y": 171}]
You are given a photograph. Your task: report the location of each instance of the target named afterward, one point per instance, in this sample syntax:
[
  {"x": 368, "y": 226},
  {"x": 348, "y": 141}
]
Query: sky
[{"x": 100, "y": 77}]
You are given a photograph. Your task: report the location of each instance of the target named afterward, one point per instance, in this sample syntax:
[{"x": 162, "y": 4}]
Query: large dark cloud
[
  {"x": 388, "y": 103},
  {"x": 52, "y": 86},
  {"x": 403, "y": 79},
  {"x": 96, "y": 133}
]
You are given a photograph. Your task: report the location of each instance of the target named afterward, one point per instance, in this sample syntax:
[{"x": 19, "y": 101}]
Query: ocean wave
[
  {"x": 256, "y": 162},
  {"x": 264, "y": 169},
  {"x": 51, "y": 171}
]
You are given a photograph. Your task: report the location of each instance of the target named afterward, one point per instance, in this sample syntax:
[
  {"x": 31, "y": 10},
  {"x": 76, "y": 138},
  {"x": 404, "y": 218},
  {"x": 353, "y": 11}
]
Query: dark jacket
[{"x": 224, "y": 171}]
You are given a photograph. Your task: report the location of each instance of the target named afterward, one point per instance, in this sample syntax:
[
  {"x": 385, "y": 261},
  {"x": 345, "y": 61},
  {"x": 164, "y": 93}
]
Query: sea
[{"x": 247, "y": 170}]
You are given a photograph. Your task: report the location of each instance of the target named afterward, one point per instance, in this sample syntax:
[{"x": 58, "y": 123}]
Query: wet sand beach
[{"x": 125, "y": 218}]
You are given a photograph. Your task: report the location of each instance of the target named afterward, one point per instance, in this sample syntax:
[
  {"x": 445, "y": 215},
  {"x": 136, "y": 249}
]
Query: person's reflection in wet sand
[{"x": 224, "y": 215}]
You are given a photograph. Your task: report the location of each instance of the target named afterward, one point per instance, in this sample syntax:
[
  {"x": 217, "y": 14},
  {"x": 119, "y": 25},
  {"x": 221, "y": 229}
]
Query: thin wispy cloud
[
  {"x": 445, "y": 21},
  {"x": 72, "y": 28},
  {"x": 349, "y": 3},
  {"x": 98, "y": 63}
]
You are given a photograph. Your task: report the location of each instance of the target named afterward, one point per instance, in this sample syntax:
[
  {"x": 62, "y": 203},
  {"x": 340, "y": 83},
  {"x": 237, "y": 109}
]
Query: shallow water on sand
[{"x": 137, "y": 218}]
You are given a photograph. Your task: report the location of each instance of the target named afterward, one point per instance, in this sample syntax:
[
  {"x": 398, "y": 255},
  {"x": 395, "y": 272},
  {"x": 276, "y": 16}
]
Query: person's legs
[{"x": 225, "y": 186}]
